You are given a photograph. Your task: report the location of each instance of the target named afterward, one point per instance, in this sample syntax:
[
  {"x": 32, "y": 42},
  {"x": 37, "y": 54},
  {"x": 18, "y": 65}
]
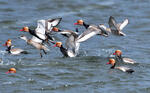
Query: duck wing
[
  {"x": 128, "y": 60},
  {"x": 113, "y": 24},
  {"x": 40, "y": 30},
  {"x": 125, "y": 69},
  {"x": 37, "y": 40},
  {"x": 123, "y": 24},
  {"x": 68, "y": 33},
  {"x": 104, "y": 30},
  {"x": 90, "y": 32},
  {"x": 50, "y": 23},
  {"x": 16, "y": 51}
]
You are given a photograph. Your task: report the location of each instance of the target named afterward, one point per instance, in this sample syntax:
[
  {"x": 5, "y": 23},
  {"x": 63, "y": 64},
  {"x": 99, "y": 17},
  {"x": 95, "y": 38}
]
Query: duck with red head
[
  {"x": 91, "y": 29},
  {"x": 63, "y": 50},
  {"x": 42, "y": 33},
  {"x": 26, "y": 29},
  {"x": 73, "y": 41},
  {"x": 122, "y": 68},
  {"x": 38, "y": 37},
  {"x": 7, "y": 43},
  {"x": 14, "y": 51},
  {"x": 65, "y": 33},
  {"x": 119, "y": 58}
]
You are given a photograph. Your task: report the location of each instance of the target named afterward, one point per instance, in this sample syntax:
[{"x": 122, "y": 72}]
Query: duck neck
[
  {"x": 64, "y": 51},
  {"x": 119, "y": 58},
  {"x": 112, "y": 67},
  {"x": 32, "y": 32},
  {"x": 59, "y": 30},
  {"x": 8, "y": 49},
  {"x": 85, "y": 25}
]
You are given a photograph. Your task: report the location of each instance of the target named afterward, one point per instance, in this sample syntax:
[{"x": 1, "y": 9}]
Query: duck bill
[
  {"x": 21, "y": 30},
  {"x": 7, "y": 72},
  {"x": 75, "y": 23},
  {"x": 54, "y": 45},
  {"x": 107, "y": 63},
  {"x": 114, "y": 53},
  {"x": 4, "y": 45}
]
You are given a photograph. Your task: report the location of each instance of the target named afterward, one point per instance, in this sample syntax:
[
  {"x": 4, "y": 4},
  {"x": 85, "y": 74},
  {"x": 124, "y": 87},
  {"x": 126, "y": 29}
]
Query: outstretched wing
[
  {"x": 86, "y": 35},
  {"x": 50, "y": 23},
  {"x": 35, "y": 39},
  {"x": 112, "y": 23},
  {"x": 54, "y": 22},
  {"x": 123, "y": 24},
  {"x": 40, "y": 30},
  {"x": 103, "y": 29}
]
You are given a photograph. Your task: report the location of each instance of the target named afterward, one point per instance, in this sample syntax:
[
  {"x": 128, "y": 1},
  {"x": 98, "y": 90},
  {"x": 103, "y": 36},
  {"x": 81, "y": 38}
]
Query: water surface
[{"x": 87, "y": 73}]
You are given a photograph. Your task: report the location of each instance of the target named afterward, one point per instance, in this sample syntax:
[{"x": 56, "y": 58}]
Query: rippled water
[{"x": 87, "y": 73}]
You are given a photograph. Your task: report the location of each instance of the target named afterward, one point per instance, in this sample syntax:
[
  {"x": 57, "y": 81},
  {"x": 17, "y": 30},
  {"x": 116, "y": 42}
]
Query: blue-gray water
[{"x": 87, "y": 73}]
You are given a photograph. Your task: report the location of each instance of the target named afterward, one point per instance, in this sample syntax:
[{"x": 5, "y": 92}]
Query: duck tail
[
  {"x": 25, "y": 52},
  {"x": 130, "y": 71}
]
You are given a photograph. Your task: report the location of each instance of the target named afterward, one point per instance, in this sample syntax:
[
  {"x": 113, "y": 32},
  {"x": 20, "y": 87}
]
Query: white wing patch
[
  {"x": 84, "y": 38},
  {"x": 127, "y": 60},
  {"x": 123, "y": 24},
  {"x": 40, "y": 30},
  {"x": 35, "y": 39},
  {"x": 70, "y": 53},
  {"x": 55, "y": 22}
]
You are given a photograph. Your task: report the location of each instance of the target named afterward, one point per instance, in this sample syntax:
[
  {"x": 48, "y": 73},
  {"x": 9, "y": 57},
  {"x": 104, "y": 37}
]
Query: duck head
[
  {"x": 79, "y": 22},
  {"x": 111, "y": 61},
  {"x": 25, "y": 29},
  {"x": 55, "y": 29},
  {"x": 58, "y": 44},
  {"x": 11, "y": 70},
  {"x": 118, "y": 53},
  {"x": 7, "y": 43}
]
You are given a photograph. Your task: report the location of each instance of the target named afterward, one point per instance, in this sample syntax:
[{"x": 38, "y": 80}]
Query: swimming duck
[
  {"x": 116, "y": 28},
  {"x": 35, "y": 44},
  {"x": 119, "y": 58},
  {"x": 122, "y": 68},
  {"x": 14, "y": 51},
  {"x": 92, "y": 28}
]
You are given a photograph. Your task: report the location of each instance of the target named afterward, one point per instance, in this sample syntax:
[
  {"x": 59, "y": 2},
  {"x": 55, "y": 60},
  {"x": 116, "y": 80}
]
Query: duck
[
  {"x": 14, "y": 51},
  {"x": 73, "y": 41},
  {"x": 92, "y": 28},
  {"x": 41, "y": 33},
  {"x": 11, "y": 70},
  {"x": 119, "y": 58},
  {"x": 65, "y": 33},
  {"x": 64, "y": 51},
  {"x": 38, "y": 46},
  {"x": 116, "y": 28},
  {"x": 122, "y": 68}
]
